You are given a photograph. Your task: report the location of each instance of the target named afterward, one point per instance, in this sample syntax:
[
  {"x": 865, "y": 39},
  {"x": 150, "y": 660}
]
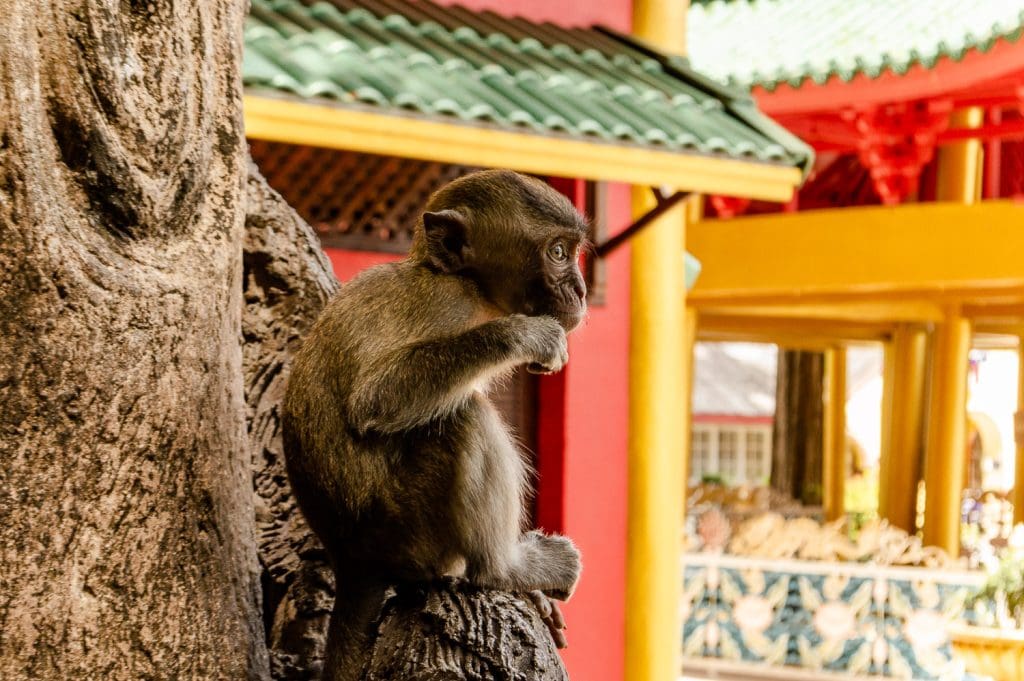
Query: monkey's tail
[{"x": 350, "y": 635}]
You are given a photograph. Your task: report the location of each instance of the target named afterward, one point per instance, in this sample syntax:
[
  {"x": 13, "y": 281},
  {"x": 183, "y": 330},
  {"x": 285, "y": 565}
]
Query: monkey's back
[{"x": 384, "y": 499}]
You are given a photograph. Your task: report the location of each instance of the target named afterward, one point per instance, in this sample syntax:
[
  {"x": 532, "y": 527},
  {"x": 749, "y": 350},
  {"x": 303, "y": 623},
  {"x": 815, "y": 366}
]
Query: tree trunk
[
  {"x": 128, "y": 536},
  {"x": 128, "y": 541},
  {"x": 797, "y": 451}
]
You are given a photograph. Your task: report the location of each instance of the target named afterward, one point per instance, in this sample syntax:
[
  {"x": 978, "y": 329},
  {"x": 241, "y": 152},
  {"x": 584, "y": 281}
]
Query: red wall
[
  {"x": 615, "y": 14},
  {"x": 597, "y": 408},
  {"x": 584, "y": 410}
]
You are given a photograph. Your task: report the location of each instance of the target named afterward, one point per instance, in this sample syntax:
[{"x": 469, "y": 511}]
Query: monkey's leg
[
  {"x": 538, "y": 562},
  {"x": 357, "y": 605},
  {"x": 416, "y": 384}
]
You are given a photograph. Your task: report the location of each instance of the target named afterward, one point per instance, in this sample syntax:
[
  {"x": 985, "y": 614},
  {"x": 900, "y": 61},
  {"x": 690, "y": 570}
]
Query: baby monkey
[{"x": 397, "y": 458}]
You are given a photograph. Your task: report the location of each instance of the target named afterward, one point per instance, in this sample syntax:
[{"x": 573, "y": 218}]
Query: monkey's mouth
[{"x": 571, "y": 318}]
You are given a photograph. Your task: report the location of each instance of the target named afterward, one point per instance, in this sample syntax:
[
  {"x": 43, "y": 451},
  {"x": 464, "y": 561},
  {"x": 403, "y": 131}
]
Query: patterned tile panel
[{"x": 849, "y": 619}]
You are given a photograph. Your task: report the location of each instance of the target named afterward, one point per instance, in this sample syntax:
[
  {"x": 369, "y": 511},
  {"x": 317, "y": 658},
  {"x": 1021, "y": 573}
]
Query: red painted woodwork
[
  {"x": 728, "y": 206},
  {"x": 348, "y": 264},
  {"x": 896, "y": 141},
  {"x": 946, "y": 77}
]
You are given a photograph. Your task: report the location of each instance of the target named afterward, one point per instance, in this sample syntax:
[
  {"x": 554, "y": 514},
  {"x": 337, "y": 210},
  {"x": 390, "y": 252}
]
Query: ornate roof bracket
[
  {"x": 896, "y": 141},
  {"x": 665, "y": 203}
]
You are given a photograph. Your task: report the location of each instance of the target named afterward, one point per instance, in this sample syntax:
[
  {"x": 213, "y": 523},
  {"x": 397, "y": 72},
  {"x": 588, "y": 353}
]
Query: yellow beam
[
  {"x": 903, "y": 423},
  {"x": 867, "y": 311},
  {"x": 835, "y": 465},
  {"x": 1018, "y": 422},
  {"x": 996, "y": 312},
  {"x": 789, "y": 332},
  {"x": 925, "y": 251},
  {"x": 945, "y": 458},
  {"x": 294, "y": 121},
  {"x": 960, "y": 163},
  {"x": 995, "y": 337},
  {"x": 658, "y": 396}
]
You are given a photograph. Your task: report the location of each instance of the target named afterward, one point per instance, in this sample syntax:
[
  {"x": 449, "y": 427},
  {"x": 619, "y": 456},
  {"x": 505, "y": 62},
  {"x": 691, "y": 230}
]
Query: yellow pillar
[
  {"x": 834, "y": 462},
  {"x": 945, "y": 458},
  {"x": 1018, "y": 423},
  {"x": 658, "y": 402},
  {"x": 902, "y": 433},
  {"x": 657, "y": 397},
  {"x": 958, "y": 179},
  {"x": 690, "y": 320},
  {"x": 960, "y": 163}
]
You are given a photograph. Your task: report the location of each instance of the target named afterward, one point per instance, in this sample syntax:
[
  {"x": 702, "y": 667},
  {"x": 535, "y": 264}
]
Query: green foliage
[{"x": 1002, "y": 595}]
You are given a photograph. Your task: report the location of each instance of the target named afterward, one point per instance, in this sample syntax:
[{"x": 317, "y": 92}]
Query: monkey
[{"x": 396, "y": 456}]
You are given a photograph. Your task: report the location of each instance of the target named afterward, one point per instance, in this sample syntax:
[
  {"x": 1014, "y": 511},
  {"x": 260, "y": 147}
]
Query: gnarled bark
[
  {"x": 457, "y": 632},
  {"x": 286, "y": 283},
  {"x": 127, "y": 535}
]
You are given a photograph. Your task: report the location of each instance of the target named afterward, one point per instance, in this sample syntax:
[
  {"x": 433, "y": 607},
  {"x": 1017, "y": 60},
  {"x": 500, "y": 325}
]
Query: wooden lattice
[{"x": 353, "y": 201}]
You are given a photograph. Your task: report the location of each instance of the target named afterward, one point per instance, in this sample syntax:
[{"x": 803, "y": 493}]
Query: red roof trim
[{"x": 947, "y": 77}]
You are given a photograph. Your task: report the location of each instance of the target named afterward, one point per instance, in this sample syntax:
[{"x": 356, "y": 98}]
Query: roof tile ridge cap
[
  {"x": 678, "y": 67},
  {"x": 739, "y": 103}
]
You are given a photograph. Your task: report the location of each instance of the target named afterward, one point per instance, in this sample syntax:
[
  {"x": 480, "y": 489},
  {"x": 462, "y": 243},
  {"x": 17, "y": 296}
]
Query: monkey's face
[
  {"x": 516, "y": 237},
  {"x": 557, "y": 288},
  {"x": 536, "y": 273}
]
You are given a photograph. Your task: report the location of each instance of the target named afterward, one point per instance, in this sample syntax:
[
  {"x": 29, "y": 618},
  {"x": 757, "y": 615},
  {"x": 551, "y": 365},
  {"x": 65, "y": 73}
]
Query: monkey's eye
[{"x": 558, "y": 252}]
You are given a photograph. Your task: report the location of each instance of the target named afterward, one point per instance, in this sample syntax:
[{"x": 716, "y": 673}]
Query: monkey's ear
[{"x": 447, "y": 239}]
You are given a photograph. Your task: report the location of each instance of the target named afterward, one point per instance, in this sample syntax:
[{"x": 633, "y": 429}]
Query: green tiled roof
[
  {"x": 768, "y": 42},
  {"x": 452, "y": 64}
]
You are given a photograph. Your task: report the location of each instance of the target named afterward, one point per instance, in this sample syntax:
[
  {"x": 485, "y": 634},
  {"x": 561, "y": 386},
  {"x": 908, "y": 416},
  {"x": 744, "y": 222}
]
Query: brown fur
[{"x": 398, "y": 460}]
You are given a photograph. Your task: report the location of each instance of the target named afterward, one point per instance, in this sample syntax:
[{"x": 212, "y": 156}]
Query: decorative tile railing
[{"x": 801, "y": 619}]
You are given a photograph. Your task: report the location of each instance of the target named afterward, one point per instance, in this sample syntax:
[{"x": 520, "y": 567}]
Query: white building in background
[
  {"x": 991, "y": 403},
  {"x": 734, "y": 406}
]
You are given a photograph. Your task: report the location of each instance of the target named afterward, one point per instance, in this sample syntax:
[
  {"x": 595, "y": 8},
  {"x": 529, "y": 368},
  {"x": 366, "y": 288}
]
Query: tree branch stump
[{"x": 454, "y": 631}]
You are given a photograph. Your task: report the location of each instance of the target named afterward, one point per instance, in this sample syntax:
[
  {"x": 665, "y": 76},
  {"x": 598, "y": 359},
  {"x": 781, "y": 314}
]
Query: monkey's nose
[{"x": 581, "y": 290}]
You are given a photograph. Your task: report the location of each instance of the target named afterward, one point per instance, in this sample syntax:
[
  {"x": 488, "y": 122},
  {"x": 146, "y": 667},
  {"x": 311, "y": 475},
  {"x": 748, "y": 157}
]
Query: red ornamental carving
[
  {"x": 729, "y": 206},
  {"x": 896, "y": 141}
]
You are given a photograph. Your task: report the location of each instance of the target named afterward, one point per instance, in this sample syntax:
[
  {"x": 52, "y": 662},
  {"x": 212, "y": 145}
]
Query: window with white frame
[{"x": 737, "y": 454}]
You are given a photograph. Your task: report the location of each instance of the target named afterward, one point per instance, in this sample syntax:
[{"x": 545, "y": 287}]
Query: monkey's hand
[
  {"x": 545, "y": 346},
  {"x": 552, "y": 616}
]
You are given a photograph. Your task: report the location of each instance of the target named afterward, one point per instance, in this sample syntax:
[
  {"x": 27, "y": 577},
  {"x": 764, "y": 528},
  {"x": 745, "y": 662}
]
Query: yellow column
[
  {"x": 1018, "y": 477},
  {"x": 690, "y": 320},
  {"x": 958, "y": 179},
  {"x": 960, "y": 163},
  {"x": 834, "y": 463},
  {"x": 902, "y": 433},
  {"x": 945, "y": 458},
  {"x": 657, "y": 399},
  {"x": 657, "y": 447}
]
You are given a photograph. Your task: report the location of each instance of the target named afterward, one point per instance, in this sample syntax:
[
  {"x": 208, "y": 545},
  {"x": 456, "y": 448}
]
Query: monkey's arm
[{"x": 416, "y": 384}]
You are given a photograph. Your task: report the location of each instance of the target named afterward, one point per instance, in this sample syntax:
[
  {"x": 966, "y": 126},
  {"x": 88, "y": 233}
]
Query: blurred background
[{"x": 786, "y": 440}]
